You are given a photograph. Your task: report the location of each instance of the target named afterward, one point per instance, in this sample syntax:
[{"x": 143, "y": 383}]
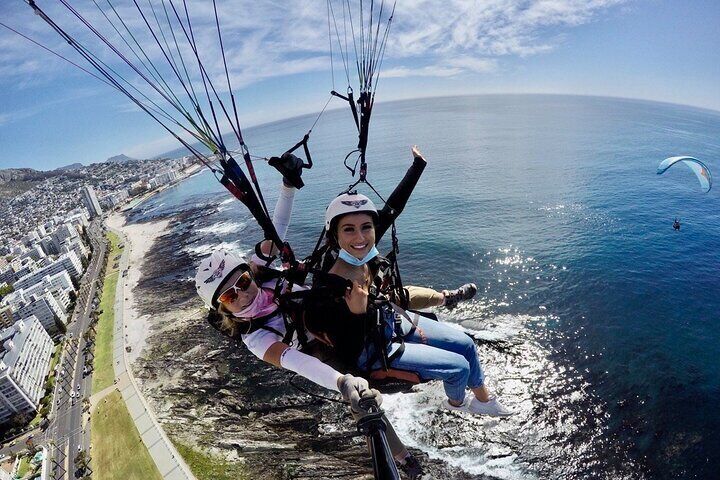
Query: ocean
[{"x": 596, "y": 321}]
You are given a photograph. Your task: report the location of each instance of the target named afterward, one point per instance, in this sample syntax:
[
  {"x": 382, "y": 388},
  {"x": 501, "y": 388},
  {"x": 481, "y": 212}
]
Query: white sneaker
[
  {"x": 460, "y": 408},
  {"x": 492, "y": 407}
]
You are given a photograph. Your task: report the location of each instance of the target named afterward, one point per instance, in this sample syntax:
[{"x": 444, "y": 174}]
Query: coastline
[
  {"x": 192, "y": 170},
  {"x": 136, "y": 202},
  {"x": 141, "y": 238}
]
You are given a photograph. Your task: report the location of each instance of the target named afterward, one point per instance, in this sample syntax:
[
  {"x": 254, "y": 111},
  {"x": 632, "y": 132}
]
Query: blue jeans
[{"x": 449, "y": 355}]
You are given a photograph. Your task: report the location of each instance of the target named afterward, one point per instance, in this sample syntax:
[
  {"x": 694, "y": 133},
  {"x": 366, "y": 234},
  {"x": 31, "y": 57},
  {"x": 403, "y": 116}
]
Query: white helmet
[
  {"x": 213, "y": 271},
  {"x": 348, "y": 203}
]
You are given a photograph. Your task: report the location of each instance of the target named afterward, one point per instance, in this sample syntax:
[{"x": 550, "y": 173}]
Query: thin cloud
[
  {"x": 271, "y": 39},
  {"x": 489, "y": 28}
]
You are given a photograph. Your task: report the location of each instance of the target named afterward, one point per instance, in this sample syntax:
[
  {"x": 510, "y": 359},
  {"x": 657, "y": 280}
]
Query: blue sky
[{"x": 52, "y": 114}]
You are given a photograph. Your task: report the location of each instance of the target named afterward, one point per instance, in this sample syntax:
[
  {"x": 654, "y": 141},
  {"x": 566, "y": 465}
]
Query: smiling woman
[{"x": 368, "y": 326}]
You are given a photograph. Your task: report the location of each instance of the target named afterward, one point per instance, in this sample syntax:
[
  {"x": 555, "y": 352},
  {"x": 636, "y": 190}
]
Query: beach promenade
[{"x": 168, "y": 461}]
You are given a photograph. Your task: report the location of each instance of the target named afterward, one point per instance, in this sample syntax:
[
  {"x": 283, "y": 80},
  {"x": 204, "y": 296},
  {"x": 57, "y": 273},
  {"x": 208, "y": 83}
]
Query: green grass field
[
  {"x": 209, "y": 467},
  {"x": 118, "y": 452},
  {"x": 103, "y": 374}
]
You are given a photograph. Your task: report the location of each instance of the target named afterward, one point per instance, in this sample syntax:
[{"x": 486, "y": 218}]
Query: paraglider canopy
[{"x": 699, "y": 169}]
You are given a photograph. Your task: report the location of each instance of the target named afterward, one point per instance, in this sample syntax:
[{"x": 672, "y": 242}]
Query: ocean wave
[
  {"x": 499, "y": 328},
  {"x": 154, "y": 207},
  {"x": 207, "y": 248},
  {"x": 226, "y": 204},
  {"x": 223, "y": 228}
]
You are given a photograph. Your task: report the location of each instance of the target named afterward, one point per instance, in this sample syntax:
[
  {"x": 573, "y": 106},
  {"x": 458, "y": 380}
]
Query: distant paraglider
[
  {"x": 676, "y": 225},
  {"x": 700, "y": 170}
]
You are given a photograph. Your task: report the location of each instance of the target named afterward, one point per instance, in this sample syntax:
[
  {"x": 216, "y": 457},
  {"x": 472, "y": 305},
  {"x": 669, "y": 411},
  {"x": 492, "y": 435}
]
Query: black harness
[{"x": 389, "y": 315}]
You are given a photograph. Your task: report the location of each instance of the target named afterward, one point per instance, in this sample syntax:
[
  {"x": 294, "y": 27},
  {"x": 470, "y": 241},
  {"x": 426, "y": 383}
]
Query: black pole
[{"x": 373, "y": 427}]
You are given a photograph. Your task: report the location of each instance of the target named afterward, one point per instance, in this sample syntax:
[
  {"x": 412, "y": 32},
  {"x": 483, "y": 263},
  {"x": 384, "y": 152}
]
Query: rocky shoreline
[{"x": 216, "y": 396}]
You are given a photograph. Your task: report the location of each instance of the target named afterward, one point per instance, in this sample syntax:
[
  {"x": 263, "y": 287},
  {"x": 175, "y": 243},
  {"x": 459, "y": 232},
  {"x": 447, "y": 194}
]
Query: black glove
[
  {"x": 291, "y": 168},
  {"x": 353, "y": 389}
]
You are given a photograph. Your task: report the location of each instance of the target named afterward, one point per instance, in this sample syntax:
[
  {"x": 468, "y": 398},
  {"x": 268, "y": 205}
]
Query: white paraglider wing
[{"x": 700, "y": 170}]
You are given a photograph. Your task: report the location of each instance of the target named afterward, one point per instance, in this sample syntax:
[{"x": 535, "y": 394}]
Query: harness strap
[
  {"x": 380, "y": 341},
  {"x": 260, "y": 323},
  {"x": 399, "y": 314}
]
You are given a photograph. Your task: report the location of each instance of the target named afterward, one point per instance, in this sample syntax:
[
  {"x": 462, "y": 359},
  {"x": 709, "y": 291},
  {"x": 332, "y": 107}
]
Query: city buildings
[
  {"x": 45, "y": 308},
  {"x": 43, "y": 247},
  {"x": 114, "y": 199},
  {"x": 75, "y": 245},
  {"x": 91, "y": 202},
  {"x": 68, "y": 262},
  {"x": 24, "y": 363},
  {"x": 58, "y": 285}
]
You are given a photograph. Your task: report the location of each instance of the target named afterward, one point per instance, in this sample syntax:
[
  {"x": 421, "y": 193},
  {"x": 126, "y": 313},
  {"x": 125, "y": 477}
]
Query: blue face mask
[{"x": 345, "y": 256}]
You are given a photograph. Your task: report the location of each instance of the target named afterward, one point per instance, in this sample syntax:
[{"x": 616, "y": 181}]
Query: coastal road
[{"x": 66, "y": 434}]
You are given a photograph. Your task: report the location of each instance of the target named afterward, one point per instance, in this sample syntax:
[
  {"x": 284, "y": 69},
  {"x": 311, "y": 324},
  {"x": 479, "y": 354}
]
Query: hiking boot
[
  {"x": 453, "y": 297},
  {"x": 412, "y": 468}
]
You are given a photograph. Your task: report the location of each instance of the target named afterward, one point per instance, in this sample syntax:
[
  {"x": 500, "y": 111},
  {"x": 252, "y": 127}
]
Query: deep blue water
[{"x": 597, "y": 322}]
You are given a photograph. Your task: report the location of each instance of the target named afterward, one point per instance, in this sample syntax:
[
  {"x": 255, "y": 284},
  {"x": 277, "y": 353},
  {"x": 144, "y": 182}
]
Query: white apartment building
[
  {"x": 45, "y": 308},
  {"x": 18, "y": 269},
  {"x": 25, "y": 266},
  {"x": 91, "y": 202},
  {"x": 66, "y": 262},
  {"x": 49, "y": 225},
  {"x": 59, "y": 285},
  {"x": 14, "y": 299},
  {"x": 115, "y": 198},
  {"x": 61, "y": 296},
  {"x": 7, "y": 276},
  {"x": 78, "y": 218},
  {"x": 62, "y": 234},
  {"x": 163, "y": 178},
  {"x": 24, "y": 364},
  {"x": 75, "y": 245},
  {"x": 60, "y": 280}
]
